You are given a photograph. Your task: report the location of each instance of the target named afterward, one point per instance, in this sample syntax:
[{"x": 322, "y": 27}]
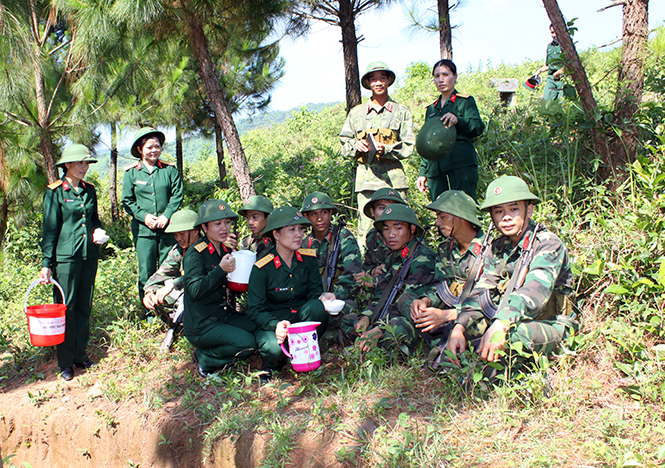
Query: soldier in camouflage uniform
[
  {"x": 457, "y": 220},
  {"x": 554, "y": 68},
  {"x": 391, "y": 128},
  {"x": 256, "y": 211},
  {"x": 164, "y": 289},
  {"x": 537, "y": 311},
  {"x": 318, "y": 209},
  {"x": 400, "y": 229}
]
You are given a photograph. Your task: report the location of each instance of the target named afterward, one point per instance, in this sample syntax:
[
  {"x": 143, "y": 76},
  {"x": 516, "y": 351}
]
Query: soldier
[
  {"x": 164, "y": 289},
  {"x": 379, "y": 135},
  {"x": 256, "y": 211},
  {"x": 400, "y": 229},
  {"x": 284, "y": 286},
  {"x": 151, "y": 193},
  {"x": 458, "y": 223},
  {"x": 534, "y": 303},
  {"x": 220, "y": 334},
  {"x": 554, "y": 68}
]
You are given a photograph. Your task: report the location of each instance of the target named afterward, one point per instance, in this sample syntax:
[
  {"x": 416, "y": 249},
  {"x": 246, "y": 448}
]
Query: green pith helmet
[
  {"x": 145, "y": 131},
  {"x": 317, "y": 201},
  {"x": 399, "y": 213},
  {"x": 507, "y": 189},
  {"x": 284, "y": 216},
  {"x": 75, "y": 153},
  {"x": 212, "y": 210},
  {"x": 457, "y": 203},
  {"x": 183, "y": 220},
  {"x": 377, "y": 66},
  {"x": 435, "y": 140},
  {"x": 257, "y": 203},
  {"x": 385, "y": 193}
]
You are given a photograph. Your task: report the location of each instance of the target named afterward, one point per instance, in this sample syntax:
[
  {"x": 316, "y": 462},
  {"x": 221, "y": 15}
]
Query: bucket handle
[
  {"x": 285, "y": 351},
  {"x": 35, "y": 283}
]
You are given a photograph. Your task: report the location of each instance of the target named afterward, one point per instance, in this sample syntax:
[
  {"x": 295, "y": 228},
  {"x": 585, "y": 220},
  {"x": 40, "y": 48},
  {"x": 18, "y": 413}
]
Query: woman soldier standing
[
  {"x": 72, "y": 232},
  {"x": 151, "y": 193}
]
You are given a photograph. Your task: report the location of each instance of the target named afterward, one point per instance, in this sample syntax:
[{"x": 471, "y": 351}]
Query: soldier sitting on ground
[
  {"x": 256, "y": 212},
  {"x": 509, "y": 304},
  {"x": 402, "y": 233}
]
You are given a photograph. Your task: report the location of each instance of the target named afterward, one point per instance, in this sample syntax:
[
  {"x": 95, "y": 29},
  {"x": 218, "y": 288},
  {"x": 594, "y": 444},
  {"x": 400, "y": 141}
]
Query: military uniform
[
  {"x": 554, "y": 60},
  {"x": 457, "y": 170},
  {"x": 70, "y": 218},
  {"x": 171, "y": 270},
  {"x": 259, "y": 245},
  {"x": 255, "y": 242},
  {"x": 376, "y": 251}
]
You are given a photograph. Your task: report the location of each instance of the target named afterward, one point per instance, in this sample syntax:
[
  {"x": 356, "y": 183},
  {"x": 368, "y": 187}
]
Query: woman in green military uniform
[
  {"x": 285, "y": 286},
  {"x": 221, "y": 335},
  {"x": 151, "y": 193},
  {"x": 457, "y": 169},
  {"x": 72, "y": 232}
]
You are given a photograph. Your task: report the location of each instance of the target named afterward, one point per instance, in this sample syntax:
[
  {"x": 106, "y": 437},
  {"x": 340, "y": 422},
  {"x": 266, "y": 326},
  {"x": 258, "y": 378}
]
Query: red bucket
[{"x": 46, "y": 322}]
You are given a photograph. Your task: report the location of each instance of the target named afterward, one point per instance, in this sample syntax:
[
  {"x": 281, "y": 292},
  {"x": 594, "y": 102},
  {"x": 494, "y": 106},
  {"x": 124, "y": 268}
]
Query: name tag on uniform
[
  {"x": 66, "y": 200},
  {"x": 142, "y": 182},
  {"x": 282, "y": 289}
]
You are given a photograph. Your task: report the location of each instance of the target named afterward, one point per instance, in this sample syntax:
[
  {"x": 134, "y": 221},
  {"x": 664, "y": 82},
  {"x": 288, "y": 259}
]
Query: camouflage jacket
[
  {"x": 259, "y": 245},
  {"x": 386, "y": 170},
  {"x": 348, "y": 261},
  {"x": 376, "y": 250},
  {"x": 422, "y": 276},
  {"x": 455, "y": 267},
  {"x": 549, "y": 274},
  {"x": 171, "y": 268}
]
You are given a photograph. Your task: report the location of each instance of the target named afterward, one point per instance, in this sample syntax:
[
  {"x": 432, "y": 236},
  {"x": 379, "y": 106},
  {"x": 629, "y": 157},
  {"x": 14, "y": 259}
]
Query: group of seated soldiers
[{"x": 483, "y": 289}]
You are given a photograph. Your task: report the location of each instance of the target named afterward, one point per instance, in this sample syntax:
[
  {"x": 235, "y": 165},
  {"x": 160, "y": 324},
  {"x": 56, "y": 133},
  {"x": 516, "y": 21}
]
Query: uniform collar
[
  {"x": 404, "y": 251},
  {"x": 66, "y": 186},
  {"x": 159, "y": 165},
  {"x": 524, "y": 242},
  {"x": 452, "y": 98},
  {"x": 389, "y": 106}
]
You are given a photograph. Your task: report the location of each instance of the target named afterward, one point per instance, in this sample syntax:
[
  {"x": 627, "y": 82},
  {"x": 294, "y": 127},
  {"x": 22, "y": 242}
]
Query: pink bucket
[{"x": 304, "y": 346}]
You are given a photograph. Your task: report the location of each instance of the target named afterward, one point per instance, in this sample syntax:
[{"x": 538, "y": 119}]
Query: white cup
[{"x": 334, "y": 307}]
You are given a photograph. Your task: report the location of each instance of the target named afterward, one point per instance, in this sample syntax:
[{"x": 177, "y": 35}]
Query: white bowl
[{"x": 334, "y": 307}]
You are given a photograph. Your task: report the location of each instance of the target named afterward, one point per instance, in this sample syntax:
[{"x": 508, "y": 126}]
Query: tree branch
[{"x": 613, "y": 4}]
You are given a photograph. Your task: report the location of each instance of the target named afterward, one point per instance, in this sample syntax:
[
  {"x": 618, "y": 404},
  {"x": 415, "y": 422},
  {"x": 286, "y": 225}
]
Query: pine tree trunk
[
  {"x": 445, "y": 31},
  {"x": 219, "y": 145},
  {"x": 350, "y": 51},
  {"x": 4, "y": 216},
  {"x": 218, "y": 103},
  {"x": 113, "y": 174},
  {"x": 45, "y": 143},
  {"x": 178, "y": 151}
]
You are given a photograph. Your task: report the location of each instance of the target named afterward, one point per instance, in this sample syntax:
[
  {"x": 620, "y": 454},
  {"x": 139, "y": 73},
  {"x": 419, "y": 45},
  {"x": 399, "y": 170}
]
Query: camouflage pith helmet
[
  {"x": 507, "y": 189},
  {"x": 75, "y": 153},
  {"x": 317, "y": 201},
  {"x": 457, "y": 203},
  {"x": 146, "y": 131},
  {"x": 435, "y": 140},
  {"x": 399, "y": 213},
  {"x": 257, "y": 203},
  {"x": 377, "y": 66},
  {"x": 284, "y": 216},
  {"x": 183, "y": 220},
  {"x": 386, "y": 193},
  {"x": 213, "y": 210}
]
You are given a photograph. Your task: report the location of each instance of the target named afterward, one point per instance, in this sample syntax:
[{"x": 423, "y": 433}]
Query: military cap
[
  {"x": 257, "y": 203},
  {"x": 284, "y": 216},
  {"x": 213, "y": 210},
  {"x": 399, "y": 213},
  {"x": 146, "y": 131},
  {"x": 75, "y": 153},
  {"x": 435, "y": 140},
  {"x": 385, "y": 193},
  {"x": 317, "y": 201},
  {"x": 183, "y": 220},
  {"x": 508, "y": 189},
  {"x": 457, "y": 203},
  {"x": 377, "y": 66}
]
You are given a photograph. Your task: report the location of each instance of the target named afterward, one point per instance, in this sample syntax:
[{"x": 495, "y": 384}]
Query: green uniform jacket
[
  {"x": 549, "y": 272},
  {"x": 158, "y": 192},
  {"x": 205, "y": 288},
  {"x": 70, "y": 217},
  {"x": 387, "y": 170},
  {"x": 469, "y": 126},
  {"x": 275, "y": 289},
  {"x": 255, "y": 244},
  {"x": 171, "y": 268},
  {"x": 554, "y": 57},
  {"x": 376, "y": 250},
  {"x": 349, "y": 261}
]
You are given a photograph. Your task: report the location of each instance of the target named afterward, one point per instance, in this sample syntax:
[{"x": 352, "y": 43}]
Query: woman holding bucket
[
  {"x": 285, "y": 286},
  {"x": 70, "y": 249}
]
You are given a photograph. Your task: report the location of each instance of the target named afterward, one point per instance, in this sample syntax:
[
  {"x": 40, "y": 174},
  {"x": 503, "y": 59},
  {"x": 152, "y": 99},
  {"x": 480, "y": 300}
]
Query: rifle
[
  {"x": 395, "y": 285},
  {"x": 170, "y": 333},
  {"x": 331, "y": 263}
]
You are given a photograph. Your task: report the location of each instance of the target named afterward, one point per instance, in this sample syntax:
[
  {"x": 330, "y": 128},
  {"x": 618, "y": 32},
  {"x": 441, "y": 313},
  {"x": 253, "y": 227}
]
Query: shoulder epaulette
[
  {"x": 465, "y": 96},
  {"x": 201, "y": 246},
  {"x": 264, "y": 261},
  {"x": 55, "y": 184},
  {"x": 167, "y": 162},
  {"x": 132, "y": 165},
  {"x": 308, "y": 252}
]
